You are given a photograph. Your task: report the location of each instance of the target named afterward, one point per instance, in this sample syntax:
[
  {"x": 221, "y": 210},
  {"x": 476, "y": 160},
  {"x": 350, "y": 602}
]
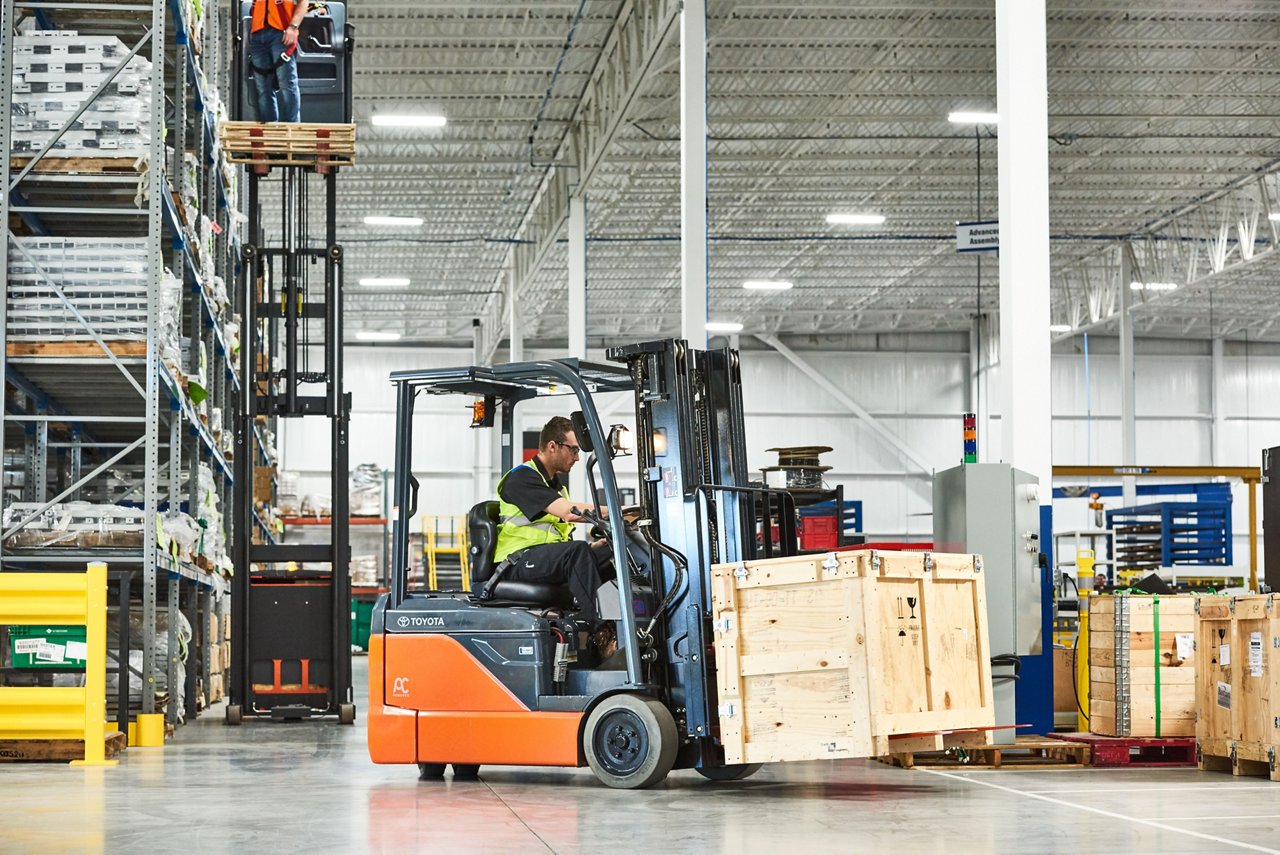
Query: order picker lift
[
  {"x": 506, "y": 674},
  {"x": 291, "y": 646}
]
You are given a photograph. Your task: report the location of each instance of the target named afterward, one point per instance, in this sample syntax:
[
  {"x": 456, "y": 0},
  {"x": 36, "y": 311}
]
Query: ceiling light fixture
[
  {"x": 379, "y": 220},
  {"x": 1055, "y": 328},
  {"x": 973, "y": 117},
  {"x": 767, "y": 285},
  {"x": 855, "y": 219},
  {"x": 388, "y": 120},
  {"x": 377, "y": 335},
  {"x": 1274, "y": 217},
  {"x": 1153, "y": 286},
  {"x": 384, "y": 281},
  {"x": 723, "y": 326}
]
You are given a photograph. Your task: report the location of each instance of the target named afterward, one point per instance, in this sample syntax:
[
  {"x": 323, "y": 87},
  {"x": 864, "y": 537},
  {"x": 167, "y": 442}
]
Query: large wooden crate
[
  {"x": 828, "y": 656},
  {"x": 1238, "y": 685},
  {"x": 1142, "y": 677}
]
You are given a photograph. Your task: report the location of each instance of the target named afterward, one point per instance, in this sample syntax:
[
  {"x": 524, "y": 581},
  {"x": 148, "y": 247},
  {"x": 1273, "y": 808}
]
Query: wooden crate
[
  {"x": 829, "y": 656},
  {"x": 1238, "y": 685},
  {"x": 1128, "y": 634}
]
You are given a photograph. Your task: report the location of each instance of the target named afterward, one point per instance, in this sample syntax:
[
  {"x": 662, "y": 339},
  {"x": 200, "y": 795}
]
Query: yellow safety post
[
  {"x": 1085, "y": 559},
  {"x": 40, "y": 712}
]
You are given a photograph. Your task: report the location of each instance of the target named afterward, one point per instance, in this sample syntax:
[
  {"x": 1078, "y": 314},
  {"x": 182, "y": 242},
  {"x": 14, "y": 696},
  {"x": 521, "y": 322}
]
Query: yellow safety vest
[{"x": 516, "y": 531}]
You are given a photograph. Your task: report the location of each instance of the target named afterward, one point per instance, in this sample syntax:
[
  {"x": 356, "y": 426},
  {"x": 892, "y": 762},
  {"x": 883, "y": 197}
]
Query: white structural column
[
  {"x": 1218, "y": 442},
  {"x": 980, "y": 383},
  {"x": 693, "y": 173},
  {"x": 1128, "y": 395},
  {"x": 1022, "y": 93},
  {"x": 515, "y": 329},
  {"x": 577, "y": 277}
]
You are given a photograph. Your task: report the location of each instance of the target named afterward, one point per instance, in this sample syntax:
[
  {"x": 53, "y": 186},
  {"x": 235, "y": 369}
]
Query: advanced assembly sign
[{"x": 982, "y": 236}]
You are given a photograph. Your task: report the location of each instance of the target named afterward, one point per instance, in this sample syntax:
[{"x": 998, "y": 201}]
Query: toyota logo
[{"x": 404, "y": 620}]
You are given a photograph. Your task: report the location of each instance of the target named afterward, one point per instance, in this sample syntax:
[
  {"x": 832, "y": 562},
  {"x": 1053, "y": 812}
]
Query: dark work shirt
[{"x": 525, "y": 489}]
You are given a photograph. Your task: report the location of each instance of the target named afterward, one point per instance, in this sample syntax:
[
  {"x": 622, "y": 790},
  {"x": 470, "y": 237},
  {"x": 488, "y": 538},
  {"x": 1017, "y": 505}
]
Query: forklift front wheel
[
  {"x": 630, "y": 741},
  {"x": 466, "y": 771},
  {"x": 346, "y": 713},
  {"x": 736, "y": 772},
  {"x": 430, "y": 771},
  {"x": 233, "y": 714}
]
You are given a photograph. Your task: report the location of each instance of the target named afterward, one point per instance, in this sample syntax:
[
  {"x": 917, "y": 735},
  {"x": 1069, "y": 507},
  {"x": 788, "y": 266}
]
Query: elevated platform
[{"x": 274, "y": 144}]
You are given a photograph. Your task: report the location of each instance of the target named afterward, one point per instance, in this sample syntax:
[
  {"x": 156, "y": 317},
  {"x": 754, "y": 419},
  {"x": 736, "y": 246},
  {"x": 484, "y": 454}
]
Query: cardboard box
[{"x": 263, "y": 486}]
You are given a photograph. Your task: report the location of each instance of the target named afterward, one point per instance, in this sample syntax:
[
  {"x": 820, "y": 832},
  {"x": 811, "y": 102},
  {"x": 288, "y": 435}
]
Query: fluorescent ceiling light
[
  {"x": 384, "y": 281},
  {"x": 1153, "y": 286},
  {"x": 1060, "y": 328},
  {"x": 375, "y": 335},
  {"x": 973, "y": 117},
  {"x": 392, "y": 221},
  {"x": 1274, "y": 217},
  {"x": 767, "y": 285},
  {"x": 723, "y": 326},
  {"x": 389, "y": 120},
  {"x": 855, "y": 219}
]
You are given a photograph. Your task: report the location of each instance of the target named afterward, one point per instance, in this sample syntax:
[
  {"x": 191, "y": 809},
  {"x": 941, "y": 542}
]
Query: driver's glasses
[{"x": 576, "y": 449}]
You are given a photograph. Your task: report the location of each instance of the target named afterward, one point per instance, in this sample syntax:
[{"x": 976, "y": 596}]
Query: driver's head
[{"x": 557, "y": 445}]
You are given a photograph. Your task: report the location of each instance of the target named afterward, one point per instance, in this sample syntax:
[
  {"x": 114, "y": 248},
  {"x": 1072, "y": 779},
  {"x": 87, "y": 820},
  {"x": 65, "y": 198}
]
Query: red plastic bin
[{"x": 819, "y": 532}]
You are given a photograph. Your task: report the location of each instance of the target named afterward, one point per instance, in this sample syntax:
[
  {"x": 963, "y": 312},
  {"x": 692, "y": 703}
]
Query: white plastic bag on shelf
[
  {"x": 317, "y": 505},
  {"x": 287, "y": 498},
  {"x": 178, "y": 532},
  {"x": 366, "y": 490}
]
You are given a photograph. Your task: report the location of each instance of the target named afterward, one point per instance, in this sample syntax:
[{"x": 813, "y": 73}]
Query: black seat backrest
[{"x": 482, "y": 529}]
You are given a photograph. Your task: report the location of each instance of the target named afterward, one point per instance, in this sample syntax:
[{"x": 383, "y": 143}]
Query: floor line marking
[
  {"x": 1147, "y": 822},
  {"x": 1218, "y": 816},
  {"x": 1168, "y": 788},
  {"x": 499, "y": 797}
]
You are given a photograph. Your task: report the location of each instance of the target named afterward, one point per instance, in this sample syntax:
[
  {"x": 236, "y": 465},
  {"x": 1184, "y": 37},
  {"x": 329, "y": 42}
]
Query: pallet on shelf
[
  {"x": 63, "y": 750},
  {"x": 1136, "y": 751},
  {"x": 1028, "y": 752},
  {"x": 128, "y": 165},
  {"x": 74, "y": 348}
]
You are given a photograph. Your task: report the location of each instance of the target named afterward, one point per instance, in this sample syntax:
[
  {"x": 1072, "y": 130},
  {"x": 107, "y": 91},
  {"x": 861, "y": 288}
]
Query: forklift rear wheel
[
  {"x": 233, "y": 714},
  {"x": 736, "y": 772},
  {"x": 630, "y": 741},
  {"x": 346, "y": 713},
  {"x": 430, "y": 771},
  {"x": 466, "y": 771}
]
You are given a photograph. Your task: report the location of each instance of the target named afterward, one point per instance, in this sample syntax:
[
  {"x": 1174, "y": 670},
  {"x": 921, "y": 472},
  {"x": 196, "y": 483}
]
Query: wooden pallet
[
  {"x": 65, "y": 750},
  {"x": 1135, "y": 751},
  {"x": 74, "y": 348},
  {"x": 266, "y": 144},
  {"x": 1029, "y": 752},
  {"x": 128, "y": 165},
  {"x": 1238, "y": 758}
]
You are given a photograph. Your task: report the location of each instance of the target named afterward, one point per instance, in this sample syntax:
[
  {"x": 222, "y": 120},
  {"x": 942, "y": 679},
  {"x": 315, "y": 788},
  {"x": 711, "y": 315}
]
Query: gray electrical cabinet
[{"x": 993, "y": 510}]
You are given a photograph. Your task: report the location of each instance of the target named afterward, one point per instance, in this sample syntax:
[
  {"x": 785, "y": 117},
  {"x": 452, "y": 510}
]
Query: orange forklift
[{"x": 507, "y": 674}]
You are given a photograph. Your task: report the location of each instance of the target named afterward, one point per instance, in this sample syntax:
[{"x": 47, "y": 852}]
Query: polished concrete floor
[{"x": 310, "y": 788}]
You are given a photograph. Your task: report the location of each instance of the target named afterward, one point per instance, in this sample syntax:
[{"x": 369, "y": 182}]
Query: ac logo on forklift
[
  {"x": 400, "y": 687},
  {"x": 406, "y": 621}
]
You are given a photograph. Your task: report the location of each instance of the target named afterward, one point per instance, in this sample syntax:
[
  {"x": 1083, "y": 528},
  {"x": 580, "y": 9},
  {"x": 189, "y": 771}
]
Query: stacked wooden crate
[
  {"x": 1142, "y": 665},
  {"x": 1238, "y": 668},
  {"x": 833, "y": 656}
]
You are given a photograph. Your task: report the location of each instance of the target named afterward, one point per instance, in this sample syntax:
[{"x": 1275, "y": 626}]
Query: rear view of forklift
[{"x": 507, "y": 674}]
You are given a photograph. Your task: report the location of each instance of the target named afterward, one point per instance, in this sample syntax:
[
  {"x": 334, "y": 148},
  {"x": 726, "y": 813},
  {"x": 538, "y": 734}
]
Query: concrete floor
[{"x": 309, "y": 787}]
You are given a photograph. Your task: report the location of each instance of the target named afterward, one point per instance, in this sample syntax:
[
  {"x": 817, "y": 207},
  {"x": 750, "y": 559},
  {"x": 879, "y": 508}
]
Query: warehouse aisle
[{"x": 310, "y": 788}]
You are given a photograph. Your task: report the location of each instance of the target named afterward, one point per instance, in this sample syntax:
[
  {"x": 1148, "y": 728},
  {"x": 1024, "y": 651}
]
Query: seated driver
[{"x": 535, "y": 522}]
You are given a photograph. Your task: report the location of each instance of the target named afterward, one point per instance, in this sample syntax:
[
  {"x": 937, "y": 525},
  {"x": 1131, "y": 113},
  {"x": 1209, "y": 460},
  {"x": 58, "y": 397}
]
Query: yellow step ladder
[{"x": 446, "y": 535}]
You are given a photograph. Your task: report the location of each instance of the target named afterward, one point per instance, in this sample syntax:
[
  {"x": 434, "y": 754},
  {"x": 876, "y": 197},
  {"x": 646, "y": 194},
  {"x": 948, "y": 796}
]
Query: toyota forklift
[{"x": 506, "y": 674}]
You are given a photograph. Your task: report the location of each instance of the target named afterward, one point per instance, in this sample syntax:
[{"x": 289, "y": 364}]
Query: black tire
[
  {"x": 630, "y": 742},
  {"x": 466, "y": 771},
  {"x": 430, "y": 771},
  {"x": 234, "y": 716},
  {"x": 729, "y": 773},
  {"x": 346, "y": 713}
]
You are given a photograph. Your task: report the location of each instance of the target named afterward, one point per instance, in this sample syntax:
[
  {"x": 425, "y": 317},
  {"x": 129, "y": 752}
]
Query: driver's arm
[{"x": 563, "y": 508}]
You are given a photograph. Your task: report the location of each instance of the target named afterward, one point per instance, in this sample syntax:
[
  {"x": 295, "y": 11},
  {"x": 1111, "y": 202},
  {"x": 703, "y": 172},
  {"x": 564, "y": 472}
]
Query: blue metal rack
[{"x": 1172, "y": 534}]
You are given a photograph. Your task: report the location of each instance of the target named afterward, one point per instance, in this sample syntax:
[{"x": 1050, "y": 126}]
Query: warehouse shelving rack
[{"x": 84, "y": 415}]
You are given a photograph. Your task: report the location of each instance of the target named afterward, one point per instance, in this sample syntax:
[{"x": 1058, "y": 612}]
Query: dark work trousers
[{"x": 573, "y": 562}]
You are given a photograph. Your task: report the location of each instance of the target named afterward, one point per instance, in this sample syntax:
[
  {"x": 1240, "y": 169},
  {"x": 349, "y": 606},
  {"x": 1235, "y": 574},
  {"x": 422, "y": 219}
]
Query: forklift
[{"x": 506, "y": 674}]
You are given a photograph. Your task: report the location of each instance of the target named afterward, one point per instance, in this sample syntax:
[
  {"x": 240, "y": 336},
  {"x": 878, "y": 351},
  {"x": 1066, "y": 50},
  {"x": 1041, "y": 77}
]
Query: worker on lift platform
[
  {"x": 535, "y": 523},
  {"x": 272, "y": 44}
]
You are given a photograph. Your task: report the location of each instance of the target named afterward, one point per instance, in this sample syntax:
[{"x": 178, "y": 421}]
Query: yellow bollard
[
  {"x": 95, "y": 672},
  {"x": 1084, "y": 587},
  {"x": 150, "y": 731}
]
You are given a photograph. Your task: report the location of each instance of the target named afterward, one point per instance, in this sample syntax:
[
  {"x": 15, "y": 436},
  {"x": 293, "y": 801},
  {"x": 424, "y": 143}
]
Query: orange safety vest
[{"x": 275, "y": 14}]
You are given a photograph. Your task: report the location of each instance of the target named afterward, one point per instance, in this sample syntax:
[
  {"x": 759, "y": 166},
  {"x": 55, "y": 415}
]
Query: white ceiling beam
[{"x": 628, "y": 53}]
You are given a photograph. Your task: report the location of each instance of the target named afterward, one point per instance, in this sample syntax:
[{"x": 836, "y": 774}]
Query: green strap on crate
[{"x": 1155, "y": 611}]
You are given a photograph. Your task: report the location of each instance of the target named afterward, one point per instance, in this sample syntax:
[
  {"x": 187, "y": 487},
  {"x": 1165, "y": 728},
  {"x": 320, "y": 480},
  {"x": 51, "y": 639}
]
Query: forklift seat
[{"x": 482, "y": 527}]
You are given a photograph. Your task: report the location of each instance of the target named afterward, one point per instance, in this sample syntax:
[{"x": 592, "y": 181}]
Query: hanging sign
[{"x": 981, "y": 236}]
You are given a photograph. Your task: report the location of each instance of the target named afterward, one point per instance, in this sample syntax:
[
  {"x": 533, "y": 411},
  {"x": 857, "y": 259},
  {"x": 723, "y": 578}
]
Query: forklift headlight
[{"x": 622, "y": 441}]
